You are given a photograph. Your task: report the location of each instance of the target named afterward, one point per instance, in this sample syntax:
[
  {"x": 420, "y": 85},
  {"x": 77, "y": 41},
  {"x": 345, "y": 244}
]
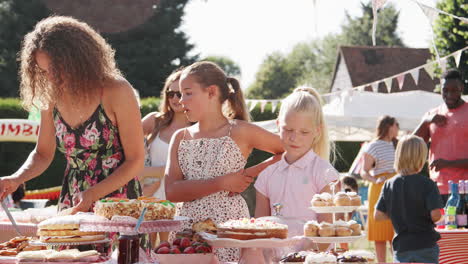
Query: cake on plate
[
  {"x": 155, "y": 209},
  {"x": 245, "y": 229}
]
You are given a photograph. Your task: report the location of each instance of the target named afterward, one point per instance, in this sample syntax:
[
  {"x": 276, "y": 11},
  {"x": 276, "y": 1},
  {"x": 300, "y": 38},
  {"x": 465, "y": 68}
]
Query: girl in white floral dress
[{"x": 206, "y": 160}]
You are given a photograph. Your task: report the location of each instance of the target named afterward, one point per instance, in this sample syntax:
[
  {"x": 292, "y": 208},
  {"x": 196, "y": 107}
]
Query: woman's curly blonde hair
[{"x": 80, "y": 62}]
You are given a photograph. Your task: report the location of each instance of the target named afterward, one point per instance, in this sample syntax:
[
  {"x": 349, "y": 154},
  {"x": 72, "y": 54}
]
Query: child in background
[
  {"x": 304, "y": 169},
  {"x": 412, "y": 202}
]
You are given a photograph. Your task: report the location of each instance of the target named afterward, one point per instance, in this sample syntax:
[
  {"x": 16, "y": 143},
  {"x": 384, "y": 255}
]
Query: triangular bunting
[
  {"x": 274, "y": 104},
  {"x": 377, "y": 4},
  {"x": 253, "y": 104},
  {"x": 429, "y": 69},
  {"x": 401, "y": 79},
  {"x": 457, "y": 57},
  {"x": 430, "y": 12},
  {"x": 375, "y": 87},
  {"x": 388, "y": 83},
  {"x": 415, "y": 74},
  {"x": 263, "y": 103},
  {"x": 443, "y": 65}
]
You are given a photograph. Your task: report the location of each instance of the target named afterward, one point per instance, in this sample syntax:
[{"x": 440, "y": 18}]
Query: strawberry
[
  {"x": 189, "y": 250},
  {"x": 175, "y": 250},
  {"x": 163, "y": 250},
  {"x": 163, "y": 244},
  {"x": 176, "y": 241},
  {"x": 185, "y": 242}
]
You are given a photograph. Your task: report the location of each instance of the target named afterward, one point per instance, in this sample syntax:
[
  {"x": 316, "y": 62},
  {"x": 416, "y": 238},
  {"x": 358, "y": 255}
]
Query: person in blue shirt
[{"x": 412, "y": 202}]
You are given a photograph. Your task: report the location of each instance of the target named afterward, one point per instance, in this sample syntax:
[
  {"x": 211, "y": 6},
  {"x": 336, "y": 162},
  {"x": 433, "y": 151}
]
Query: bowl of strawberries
[{"x": 184, "y": 250}]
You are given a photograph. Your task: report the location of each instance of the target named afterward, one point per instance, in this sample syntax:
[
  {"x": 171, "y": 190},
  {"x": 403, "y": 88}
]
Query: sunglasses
[{"x": 171, "y": 94}]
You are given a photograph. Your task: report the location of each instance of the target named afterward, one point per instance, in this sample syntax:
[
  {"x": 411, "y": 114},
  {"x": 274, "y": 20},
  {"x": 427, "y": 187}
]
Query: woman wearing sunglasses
[{"x": 158, "y": 128}]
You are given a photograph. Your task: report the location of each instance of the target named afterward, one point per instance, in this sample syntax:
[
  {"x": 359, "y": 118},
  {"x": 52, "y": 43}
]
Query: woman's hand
[
  {"x": 236, "y": 182},
  {"x": 83, "y": 200},
  {"x": 380, "y": 180},
  {"x": 8, "y": 184}
]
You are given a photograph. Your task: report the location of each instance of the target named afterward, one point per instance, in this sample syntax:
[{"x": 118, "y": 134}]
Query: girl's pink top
[{"x": 294, "y": 185}]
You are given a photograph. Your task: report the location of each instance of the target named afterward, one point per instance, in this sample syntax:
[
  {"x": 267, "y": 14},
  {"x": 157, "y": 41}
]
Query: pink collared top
[
  {"x": 449, "y": 142},
  {"x": 294, "y": 185}
]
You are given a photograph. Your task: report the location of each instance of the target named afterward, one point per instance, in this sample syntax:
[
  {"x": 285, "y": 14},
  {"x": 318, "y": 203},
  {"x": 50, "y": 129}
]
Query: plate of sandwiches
[
  {"x": 66, "y": 229},
  {"x": 61, "y": 257}
]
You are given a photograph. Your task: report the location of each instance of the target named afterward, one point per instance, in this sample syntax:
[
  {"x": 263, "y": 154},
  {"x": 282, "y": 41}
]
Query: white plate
[
  {"x": 214, "y": 241},
  {"x": 333, "y": 209},
  {"x": 336, "y": 239},
  {"x": 39, "y": 243}
]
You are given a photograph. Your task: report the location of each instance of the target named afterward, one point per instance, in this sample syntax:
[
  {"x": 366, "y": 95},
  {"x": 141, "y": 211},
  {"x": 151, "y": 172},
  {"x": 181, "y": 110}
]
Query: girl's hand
[
  {"x": 84, "y": 201},
  {"x": 8, "y": 184},
  {"x": 236, "y": 182}
]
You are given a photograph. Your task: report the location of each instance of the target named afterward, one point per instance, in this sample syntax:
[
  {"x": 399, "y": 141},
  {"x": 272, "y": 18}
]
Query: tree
[
  {"x": 312, "y": 63},
  {"x": 358, "y": 31},
  {"x": 273, "y": 80},
  {"x": 16, "y": 19},
  {"x": 146, "y": 54},
  {"x": 452, "y": 34},
  {"x": 228, "y": 65}
]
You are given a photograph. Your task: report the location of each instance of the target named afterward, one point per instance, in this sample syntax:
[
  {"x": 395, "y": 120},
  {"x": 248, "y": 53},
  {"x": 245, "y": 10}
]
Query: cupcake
[
  {"x": 355, "y": 199},
  {"x": 357, "y": 229},
  {"x": 326, "y": 230},
  {"x": 311, "y": 228},
  {"x": 341, "y": 199}
]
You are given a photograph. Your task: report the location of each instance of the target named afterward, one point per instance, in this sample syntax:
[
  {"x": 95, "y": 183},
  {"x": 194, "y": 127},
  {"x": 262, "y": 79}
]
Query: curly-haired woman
[{"x": 88, "y": 112}]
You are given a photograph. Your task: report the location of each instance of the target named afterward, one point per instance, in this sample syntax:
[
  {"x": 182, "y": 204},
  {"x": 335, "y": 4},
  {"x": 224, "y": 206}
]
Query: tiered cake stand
[
  {"x": 334, "y": 210},
  {"x": 129, "y": 239}
]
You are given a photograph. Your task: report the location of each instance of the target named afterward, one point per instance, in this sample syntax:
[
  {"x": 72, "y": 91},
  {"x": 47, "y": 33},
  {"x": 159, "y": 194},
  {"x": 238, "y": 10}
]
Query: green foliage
[
  {"x": 452, "y": 34},
  {"x": 228, "y": 65},
  {"x": 148, "y": 105},
  {"x": 146, "y": 54},
  {"x": 16, "y": 19},
  {"x": 274, "y": 78},
  {"x": 312, "y": 63},
  {"x": 11, "y": 108},
  {"x": 358, "y": 31}
]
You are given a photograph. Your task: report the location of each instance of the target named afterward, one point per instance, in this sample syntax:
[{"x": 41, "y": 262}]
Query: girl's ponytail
[{"x": 237, "y": 108}]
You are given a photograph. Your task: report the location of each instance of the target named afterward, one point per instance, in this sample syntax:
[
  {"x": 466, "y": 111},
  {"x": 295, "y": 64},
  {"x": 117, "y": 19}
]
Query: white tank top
[{"x": 158, "y": 151}]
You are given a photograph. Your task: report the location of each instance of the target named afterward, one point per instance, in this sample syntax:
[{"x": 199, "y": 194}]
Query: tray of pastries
[{"x": 341, "y": 202}]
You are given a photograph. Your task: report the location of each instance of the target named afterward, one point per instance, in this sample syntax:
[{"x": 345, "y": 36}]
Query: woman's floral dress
[{"x": 93, "y": 151}]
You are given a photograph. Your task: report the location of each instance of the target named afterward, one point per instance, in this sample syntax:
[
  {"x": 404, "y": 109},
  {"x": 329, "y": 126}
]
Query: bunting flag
[
  {"x": 388, "y": 83},
  {"x": 400, "y": 79},
  {"x": 262, "y": 105},
  {"x": 253, "y": 103},
  {"x": 375, "y": 87},
  {"x": 274, "y": 104},
  {"x": 429, "y": 69},
  {"x": 376, "y": 5},
  {"x": 415, "y": 74},
  {"x": 430, "y": 12},
  {"x": 443, "y": 64},
  {"x": 457, "y": 57}
]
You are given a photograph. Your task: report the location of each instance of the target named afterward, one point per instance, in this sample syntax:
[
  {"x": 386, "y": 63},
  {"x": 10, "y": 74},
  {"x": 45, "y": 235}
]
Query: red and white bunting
[
  {"x": 415, "y": 74},
  {"x": 388, "y": 83},
  {"x": 401, "y": 79}
]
